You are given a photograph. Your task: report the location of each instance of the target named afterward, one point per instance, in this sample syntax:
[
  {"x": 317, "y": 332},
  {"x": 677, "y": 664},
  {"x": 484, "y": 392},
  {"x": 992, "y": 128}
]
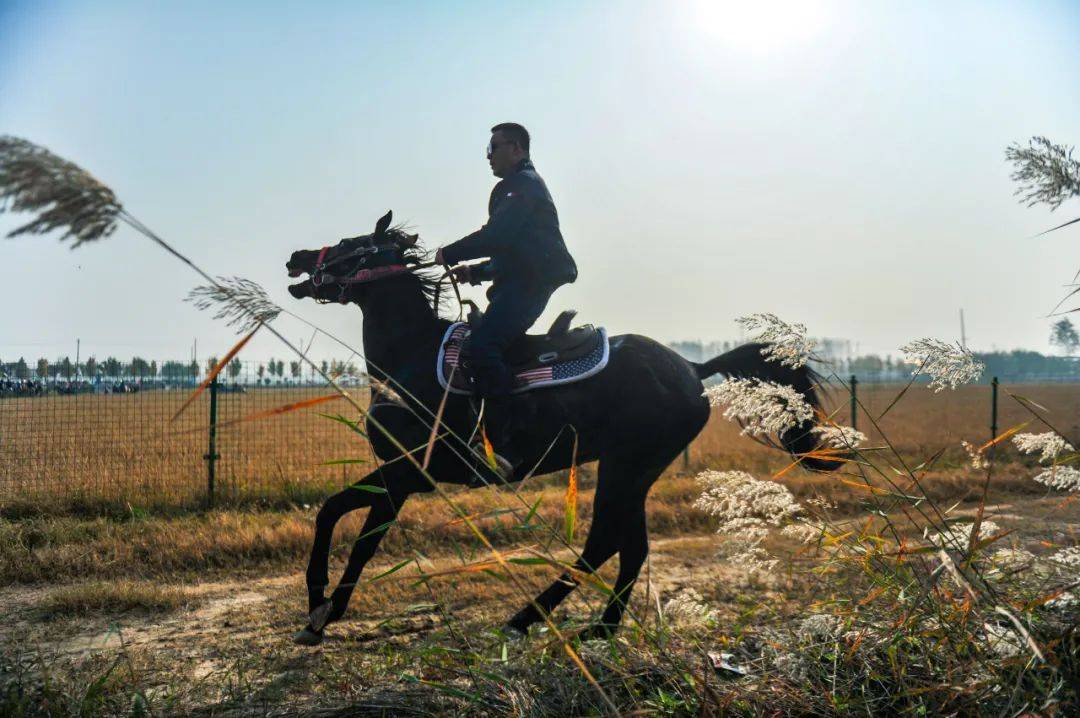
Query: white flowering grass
[
  {"x": 1063, "y": 478},
  {"x": 1049, "y": 445},
  {"x": 959, "y": 535},
  {"x": 947, "y": 365},
  {"x": 384, "y": 392},
  {"x": 975, "y": 456},
  {"x": 240, "y": 302},
  {"x": 65, "y": 196},
  {"x": 819, "y": 627},
  {"x": 802, "y": 533},
  {"x": 784, "y": 342},
  {"x": 745, "y": 508},
  {"x": 839, "y": 437},
  {"x": 687, "y": 609},
  {"x": 762, "y": 407},
  {"x": 738, "y": 500},
  {"x": 1067, "y": 557}
]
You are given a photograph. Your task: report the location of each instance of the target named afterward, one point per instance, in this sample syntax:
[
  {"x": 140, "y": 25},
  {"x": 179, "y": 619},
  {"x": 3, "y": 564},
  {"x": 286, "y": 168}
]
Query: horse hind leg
[
  {"x": 633, "y": 549},
  {"x": 632, "y": 536},
  {"x": 600, "y": 545},
  {"x": 619, "y": 497}
]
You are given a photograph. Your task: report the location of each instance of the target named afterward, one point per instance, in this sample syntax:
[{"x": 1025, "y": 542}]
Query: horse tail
[{"x": 746, "y": 361}]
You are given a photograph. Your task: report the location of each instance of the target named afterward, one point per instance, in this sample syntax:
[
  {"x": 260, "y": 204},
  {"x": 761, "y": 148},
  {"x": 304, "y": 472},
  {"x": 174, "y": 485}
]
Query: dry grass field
[
  {"x": 921, "y": 423},
  {"x": 71, "y": 451},
  {"x": 87, "y": 449},
  {"x": 192, "y": 615}
]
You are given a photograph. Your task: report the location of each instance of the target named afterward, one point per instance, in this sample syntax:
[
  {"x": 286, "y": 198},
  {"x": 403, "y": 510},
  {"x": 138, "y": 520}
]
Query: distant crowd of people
[
  {"x": 10, "y": 387},
  {"x": 22, "y": 387}
]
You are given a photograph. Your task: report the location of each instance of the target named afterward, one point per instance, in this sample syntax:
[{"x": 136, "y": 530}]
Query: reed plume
[
  {"x": 241, "y": 302},
  {"x": 64, "y": 195},
  {"x": 1045, "y": 172}
]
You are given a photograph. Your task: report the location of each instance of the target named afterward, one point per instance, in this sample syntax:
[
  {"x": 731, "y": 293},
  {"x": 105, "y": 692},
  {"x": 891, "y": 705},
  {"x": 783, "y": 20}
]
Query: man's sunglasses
[{"x": 492, "y": 146}]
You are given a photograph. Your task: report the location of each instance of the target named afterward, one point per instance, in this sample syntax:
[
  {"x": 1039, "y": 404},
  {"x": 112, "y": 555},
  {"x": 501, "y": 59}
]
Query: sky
[{"x": 840, "y": 164}]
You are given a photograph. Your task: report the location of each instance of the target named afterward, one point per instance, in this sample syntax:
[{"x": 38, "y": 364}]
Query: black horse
[{"x": 634, "y": 417}]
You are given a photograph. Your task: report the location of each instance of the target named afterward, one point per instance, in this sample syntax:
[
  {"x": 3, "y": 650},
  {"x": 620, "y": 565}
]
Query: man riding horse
[
  {"x": 527, "y": 261},
  {"x": 633, "y": 416}
]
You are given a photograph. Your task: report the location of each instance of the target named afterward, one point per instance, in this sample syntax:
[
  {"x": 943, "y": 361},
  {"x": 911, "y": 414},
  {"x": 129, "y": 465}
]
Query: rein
[{"x": 453, "y": 284}]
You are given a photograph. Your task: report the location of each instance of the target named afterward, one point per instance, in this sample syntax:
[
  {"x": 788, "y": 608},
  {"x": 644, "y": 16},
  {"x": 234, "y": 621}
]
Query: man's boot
[{"x": 498, "y": 425}]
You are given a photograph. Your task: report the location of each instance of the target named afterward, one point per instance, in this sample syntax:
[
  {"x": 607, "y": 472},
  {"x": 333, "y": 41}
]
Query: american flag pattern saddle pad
[{"x": 534, "y": 375}]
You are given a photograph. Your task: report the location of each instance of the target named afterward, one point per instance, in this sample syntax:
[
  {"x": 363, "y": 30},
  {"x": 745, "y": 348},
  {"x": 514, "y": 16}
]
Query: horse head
[{"x": 339, "y": 272}]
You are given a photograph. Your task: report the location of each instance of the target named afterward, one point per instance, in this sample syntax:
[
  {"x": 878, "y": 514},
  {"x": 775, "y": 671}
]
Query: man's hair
[{"x": 515, "y": 133}]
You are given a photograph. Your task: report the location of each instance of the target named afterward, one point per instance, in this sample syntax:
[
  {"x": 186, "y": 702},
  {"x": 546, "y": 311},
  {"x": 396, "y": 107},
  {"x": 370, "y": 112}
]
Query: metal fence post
[
  {"x": 211, "y": 455},
  {"x": 854, "y": 402},
  {"x": 993, "y": 408}
]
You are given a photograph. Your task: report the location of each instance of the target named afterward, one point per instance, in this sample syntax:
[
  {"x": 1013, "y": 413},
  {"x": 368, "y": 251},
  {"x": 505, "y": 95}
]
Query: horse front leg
[
  {"x": 360, "y": 494},
  {"x": 384, "y": 491}
]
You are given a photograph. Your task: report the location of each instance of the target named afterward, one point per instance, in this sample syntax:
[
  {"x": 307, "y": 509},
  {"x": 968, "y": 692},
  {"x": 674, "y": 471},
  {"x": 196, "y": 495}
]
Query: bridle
[{"x": 357, "y": 272}]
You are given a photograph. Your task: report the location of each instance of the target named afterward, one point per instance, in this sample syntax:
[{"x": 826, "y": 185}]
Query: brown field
[
  {"x": 123, "y": 447},
  {"x": 71, "y": 451}
]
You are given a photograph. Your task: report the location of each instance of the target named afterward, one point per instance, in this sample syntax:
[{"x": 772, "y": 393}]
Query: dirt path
[
  {"x": 223, "y": 608},
  {"x": 239, "y": 633}
]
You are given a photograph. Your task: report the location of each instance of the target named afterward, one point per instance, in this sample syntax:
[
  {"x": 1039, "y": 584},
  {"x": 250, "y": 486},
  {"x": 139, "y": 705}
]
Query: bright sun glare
[{"x": 762, "y": 26}]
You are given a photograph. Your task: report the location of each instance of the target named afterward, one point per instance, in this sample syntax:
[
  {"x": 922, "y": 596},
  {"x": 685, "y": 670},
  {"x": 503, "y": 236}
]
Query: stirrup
[{"x": 503, "y": 470}]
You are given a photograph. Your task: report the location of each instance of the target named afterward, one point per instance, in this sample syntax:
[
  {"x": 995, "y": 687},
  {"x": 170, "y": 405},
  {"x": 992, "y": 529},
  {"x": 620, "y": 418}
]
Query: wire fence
[
  {"x": 114, "y": 439},
  {"x": 922, "y": 420}
]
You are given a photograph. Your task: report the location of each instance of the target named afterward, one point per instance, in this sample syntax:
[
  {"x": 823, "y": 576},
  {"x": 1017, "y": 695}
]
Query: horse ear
[
  {"x": 405, "y": 241},
  {"x": 384, "y": 223}
]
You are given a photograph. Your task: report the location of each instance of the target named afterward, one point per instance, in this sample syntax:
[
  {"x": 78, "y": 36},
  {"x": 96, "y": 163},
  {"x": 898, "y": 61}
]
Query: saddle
[{"x": 560, "y": 356}]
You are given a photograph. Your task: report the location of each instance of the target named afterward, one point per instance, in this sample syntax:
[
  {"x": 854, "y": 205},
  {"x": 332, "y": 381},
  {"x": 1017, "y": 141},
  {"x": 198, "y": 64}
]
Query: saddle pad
[{"x": 553, "y": 374}]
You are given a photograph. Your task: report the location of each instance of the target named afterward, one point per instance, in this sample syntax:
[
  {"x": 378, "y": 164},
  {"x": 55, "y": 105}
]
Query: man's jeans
[{"x": 512, "y": 310}]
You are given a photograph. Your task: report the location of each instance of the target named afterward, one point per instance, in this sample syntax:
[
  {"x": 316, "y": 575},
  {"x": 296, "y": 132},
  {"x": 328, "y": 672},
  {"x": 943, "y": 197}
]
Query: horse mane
[{"x": 428, "y": 279}]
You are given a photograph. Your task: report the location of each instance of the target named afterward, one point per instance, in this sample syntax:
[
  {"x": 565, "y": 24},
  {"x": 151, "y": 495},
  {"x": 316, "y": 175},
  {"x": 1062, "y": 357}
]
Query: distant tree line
[
  {"x": 1015, "y": 365},
  {"x": 93, "y": 369}
]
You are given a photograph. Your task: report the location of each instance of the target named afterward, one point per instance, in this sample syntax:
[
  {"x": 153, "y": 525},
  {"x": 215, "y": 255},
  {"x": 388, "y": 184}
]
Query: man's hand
[
  {"x": 462, "y": 273},
  {"x": 438, "y": 256}
]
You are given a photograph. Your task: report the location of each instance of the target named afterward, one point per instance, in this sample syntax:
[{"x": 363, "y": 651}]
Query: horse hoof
[
  {"x": 308, "y": 637},
  {"x": 320, "y": 616},
  {"x": 514, "y": 633},
  {"x": 520, "y": 621}
]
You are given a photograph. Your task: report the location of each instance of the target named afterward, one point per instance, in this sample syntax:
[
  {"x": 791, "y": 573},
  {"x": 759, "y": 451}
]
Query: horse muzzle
[
  {"x": 294, "y": 268},
  {"x": 302, "y": 289}
]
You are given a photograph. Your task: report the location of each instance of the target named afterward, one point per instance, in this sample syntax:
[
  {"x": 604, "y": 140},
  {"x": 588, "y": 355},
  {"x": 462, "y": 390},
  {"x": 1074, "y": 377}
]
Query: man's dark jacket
[{"x": 521, "y": 236}]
